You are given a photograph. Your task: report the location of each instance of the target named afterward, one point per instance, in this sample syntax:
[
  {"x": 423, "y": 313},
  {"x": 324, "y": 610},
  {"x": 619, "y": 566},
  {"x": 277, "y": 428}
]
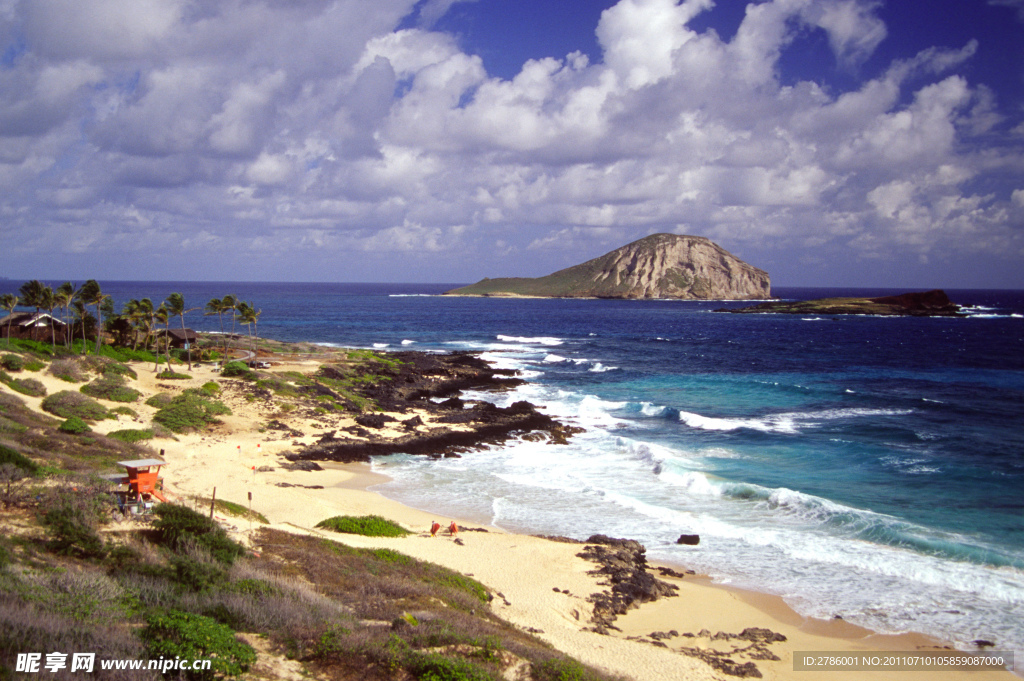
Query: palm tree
[
  {"x": 48, "y": 301},
  {"x": 82, "y": 314},
  {"x": 161, "y": 316},
  {"x": 9, "y": 301},
  {"x": 63, "y": 296},
  {"x": 32, "y": 293},
  {"x": 250, "y": 315},
  {"x": 138, "y": 312},
  {"x": 176, "y": 308},
  {"x": 230, "y": 304},
  {"x": 217, "y": 306},
  {"x": 91, "y": 294}
]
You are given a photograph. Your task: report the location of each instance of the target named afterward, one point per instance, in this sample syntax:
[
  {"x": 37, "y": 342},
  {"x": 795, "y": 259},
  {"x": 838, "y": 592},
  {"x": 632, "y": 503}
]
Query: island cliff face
[{"x": 657, "y": 266}]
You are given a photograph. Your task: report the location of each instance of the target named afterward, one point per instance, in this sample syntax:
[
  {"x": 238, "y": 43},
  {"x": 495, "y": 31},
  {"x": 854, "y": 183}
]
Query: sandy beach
[{"x": 540, "y": 585}]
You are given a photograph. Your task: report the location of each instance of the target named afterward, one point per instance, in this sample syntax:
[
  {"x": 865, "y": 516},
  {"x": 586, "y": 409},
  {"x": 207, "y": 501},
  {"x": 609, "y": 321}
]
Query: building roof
[
  {"x": 177, "y": 334},
  {"x": 26, "y": 319}
]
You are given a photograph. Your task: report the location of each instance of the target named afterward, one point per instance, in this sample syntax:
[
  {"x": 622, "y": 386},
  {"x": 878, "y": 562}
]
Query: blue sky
[{"x": 830, "y": 142}]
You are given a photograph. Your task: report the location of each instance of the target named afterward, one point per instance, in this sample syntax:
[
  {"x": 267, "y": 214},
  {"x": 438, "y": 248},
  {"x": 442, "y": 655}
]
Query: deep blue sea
[{"x": 866, "y": 467}]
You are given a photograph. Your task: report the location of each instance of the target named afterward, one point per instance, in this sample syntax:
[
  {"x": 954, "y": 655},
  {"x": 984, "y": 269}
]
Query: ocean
[{"x": 865, "y": 467}]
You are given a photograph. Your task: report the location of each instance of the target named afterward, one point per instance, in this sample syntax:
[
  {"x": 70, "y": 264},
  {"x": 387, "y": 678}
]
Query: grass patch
[
  {"x": 125, "y": 411},
  {"x": 67, "y": 404},
  {"x": 173, "y": 376},
  {"x": 368, "y": 526},
  {"x": 232, "y": 509},
  {"x": 180, "y": 528}
]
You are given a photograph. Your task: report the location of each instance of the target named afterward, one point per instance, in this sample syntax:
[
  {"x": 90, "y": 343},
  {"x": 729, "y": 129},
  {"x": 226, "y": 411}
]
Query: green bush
[
  {"x": 369, "y": 526},
  {"x": 67, "y": 404},
  {"x": 131, "y": 435},
  {"x": 74, "y": 425},
  {"x": 35, "y": 365},
  {"x": 8, "y": 455},
  {"x": 112, "y": 387},
  {"x": 211, "y": 388},
  {"x": 238, "y": 369},
  {"x": 190, "y": 411},
  {"x": 175, "y": 634},
  {"x": 12, "y": 362},
  {"x": 180, "y": 527},
  {"x": 560, "y": 669},
  {"x": 435, "y": 667},
  {"x": 127, "y": 411}
]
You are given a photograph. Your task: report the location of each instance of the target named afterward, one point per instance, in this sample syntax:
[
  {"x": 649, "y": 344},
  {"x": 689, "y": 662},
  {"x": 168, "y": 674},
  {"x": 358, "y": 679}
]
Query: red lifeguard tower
[{"x": 143, "y": 478}]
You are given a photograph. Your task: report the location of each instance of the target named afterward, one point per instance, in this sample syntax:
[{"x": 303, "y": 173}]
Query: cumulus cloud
[{"x": 282, "y": 132}]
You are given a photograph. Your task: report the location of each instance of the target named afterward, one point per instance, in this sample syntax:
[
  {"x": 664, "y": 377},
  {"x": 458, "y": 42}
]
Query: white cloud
[{"x": 328, "y": 130}]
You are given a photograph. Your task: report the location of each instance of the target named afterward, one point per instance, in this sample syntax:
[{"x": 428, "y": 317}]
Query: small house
[
  {"x": 178, "y": 337},
  {"x": 35, "y": 326}
]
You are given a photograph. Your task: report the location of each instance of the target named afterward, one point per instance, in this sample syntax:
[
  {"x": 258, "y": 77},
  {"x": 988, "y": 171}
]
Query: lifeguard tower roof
[{"x": 141, "y": 463}]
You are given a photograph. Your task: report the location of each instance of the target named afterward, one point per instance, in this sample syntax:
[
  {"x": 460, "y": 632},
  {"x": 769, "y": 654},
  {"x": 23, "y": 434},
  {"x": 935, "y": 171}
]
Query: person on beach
[
  {"x": 434, "y": 527},
  {"x": 453, "y": 529}
]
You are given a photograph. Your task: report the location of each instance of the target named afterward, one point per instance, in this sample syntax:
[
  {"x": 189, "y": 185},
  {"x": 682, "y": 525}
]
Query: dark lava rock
[
  {"x": 688, "y": 539},
  {"x": 413, "y": 423},
  {"x": 624, "y": 563},
  {"x": 302, "y": 466},
  {"x": 374, "y": 420}
]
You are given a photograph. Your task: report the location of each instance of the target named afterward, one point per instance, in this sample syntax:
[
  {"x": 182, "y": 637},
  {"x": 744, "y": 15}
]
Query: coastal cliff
[{"x": 657, "y": 266}]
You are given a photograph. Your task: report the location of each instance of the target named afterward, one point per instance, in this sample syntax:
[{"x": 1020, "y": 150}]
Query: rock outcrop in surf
[{"x": 657, "y": 266}]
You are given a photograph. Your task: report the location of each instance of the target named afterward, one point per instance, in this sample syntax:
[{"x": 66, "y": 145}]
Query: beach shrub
[
  {"x": 160, "y": 400},
  {"x": 72, "y": 522},
  {"x": 180, "y": 528},
  {"x": 69, "y": 370},
  {"x": 67, "y": 404},
  {"x": 560, "y": 669},
  {"x": 238, "y": 369},
  {"x": 176, "y": 634},
  {"x": 211, "y": 388},
  {"x": 34, "y": 365},
  {"x": 190, "y": 411},
  {"x": 74, "y": 425},
  {"x": 436, "y": 667},
  {"x": 126, "y": 411},
  {"x": 8, "y": 455},
  {"x": 111, "y": 387},
  {"x": 369, "y": 526},
  {"x": 12, "y": 362},
  {"x": 25, "y": 386},
  {"x": 131, "y": 435}
]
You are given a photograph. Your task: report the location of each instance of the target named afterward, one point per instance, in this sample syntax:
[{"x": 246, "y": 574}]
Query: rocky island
[
  {"x": 657, "y": 266},
  {"x": 924, "y": 304}
]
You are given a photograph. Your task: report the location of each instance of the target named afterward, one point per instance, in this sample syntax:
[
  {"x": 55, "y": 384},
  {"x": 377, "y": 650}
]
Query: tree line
[{"x": 138, "y": 318}]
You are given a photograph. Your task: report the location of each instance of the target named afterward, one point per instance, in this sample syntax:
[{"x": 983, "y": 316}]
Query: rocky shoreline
[
  {"x": 454, "y": 425},
  {"x": 922, "y": 304}
]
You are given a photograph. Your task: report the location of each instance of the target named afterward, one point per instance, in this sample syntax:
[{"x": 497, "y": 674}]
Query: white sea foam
[
  {"x": 408, "y": 342},
  {"x": 554, "y": 359},
  {"x": 601, "y": 368},
  {"x": 380, "y": 346},
  {"x": 539, "y": 340},
  {"x": 788, "y": 423}
]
